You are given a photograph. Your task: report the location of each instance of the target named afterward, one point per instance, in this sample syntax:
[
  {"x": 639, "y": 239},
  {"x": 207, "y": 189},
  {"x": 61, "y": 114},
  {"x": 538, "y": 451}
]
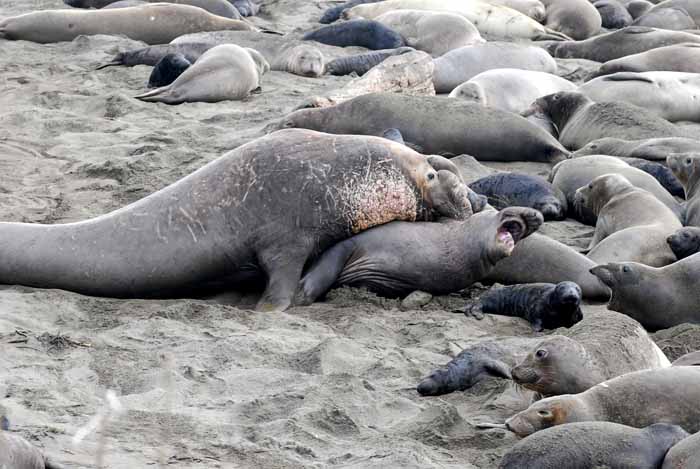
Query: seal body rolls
[
  {"x": 154, "y": 24},
  {"x": 365, "y": 33},
  {"x": 684, "y": 455},
  {"x": 587, "y": 445},
  {"x": 472, "y": 129},
  {"x": 249, "y": 212}
]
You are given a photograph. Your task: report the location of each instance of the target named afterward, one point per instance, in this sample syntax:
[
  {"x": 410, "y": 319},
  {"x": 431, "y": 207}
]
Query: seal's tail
[{"x": 117, "y": 60}]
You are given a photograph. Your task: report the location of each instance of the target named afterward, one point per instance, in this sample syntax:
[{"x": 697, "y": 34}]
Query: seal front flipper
[
  {"x": 324, "y": 272},
  {"x": 283, "y": 275}
]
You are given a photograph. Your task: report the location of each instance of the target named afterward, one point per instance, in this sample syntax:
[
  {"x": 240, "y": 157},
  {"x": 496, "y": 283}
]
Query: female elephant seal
[
  {"x": 685, "y": 242},
  {"x": 215, "y": 7},
  {"x": 252, "y": 210},
  {"x": 209, "y": 79},
  {"x": 632, "y": 224},
  {"x": 585, "y": 445},
  {"x": 601, "y": 348},
  {"x": 333, "y": 14},
  {"x": 686, "y": 167},
  {"x": 684, "y": 455},
  {"x": 420, "y": 119},
  {"x": 18, "y": 453},
  {"x": 578, "y": 19},
  {"x": 364, "y": 33},
  {"x": 674, "y": 96},
  {"x": 676, "y": 58},
  {"x": 656, "y": 149},
  {"x": 637, "y": 399},
  {"x": 158, "y": 23},
  {"x": 384, "y": 260}
]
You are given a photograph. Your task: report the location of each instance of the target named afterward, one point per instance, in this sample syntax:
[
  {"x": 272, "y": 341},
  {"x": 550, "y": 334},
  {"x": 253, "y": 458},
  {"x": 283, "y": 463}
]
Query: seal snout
[
  {"x": 428, "y": 387},
  {"x": 524, "y": 375},
  {"x": 604, "y": 273}
]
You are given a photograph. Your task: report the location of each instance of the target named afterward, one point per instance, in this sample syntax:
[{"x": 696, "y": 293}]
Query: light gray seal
[
  {"x": 652, "y": 149},
  {"x": 671, "y": 18},
  {"x": 578, "y": 19},
  {"x": 614, "y": 15},
  {"x": 684, "y": 455},
  {"x": 676, "y": 58}
]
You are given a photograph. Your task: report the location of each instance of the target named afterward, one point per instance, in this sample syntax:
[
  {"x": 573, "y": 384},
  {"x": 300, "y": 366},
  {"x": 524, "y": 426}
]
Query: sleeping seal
[{"x": 676, "y": 58}]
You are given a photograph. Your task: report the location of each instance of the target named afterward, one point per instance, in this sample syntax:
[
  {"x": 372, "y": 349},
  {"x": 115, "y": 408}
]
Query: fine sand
[{"x": 204, "y": 385}]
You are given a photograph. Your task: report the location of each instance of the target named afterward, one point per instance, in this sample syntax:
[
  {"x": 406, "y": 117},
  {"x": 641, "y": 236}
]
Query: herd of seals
[{"x": 385, "y": 191}]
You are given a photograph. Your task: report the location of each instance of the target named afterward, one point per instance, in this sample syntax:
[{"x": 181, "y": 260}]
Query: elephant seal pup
[
  {"x": 539, "y": 258},
  {"x": 674, "y": 96},
  {"x": 333, "y": 14},
  {"x": 613, "y": 14},
  {"x": 364, "y": 33},
  {"x": 675, "y": 58},
  {"x": 215, "y": 7},
  {"x": 653, "y": 149},
  {"x": 637, "y": 399},
  {"x": 580, "y": 120},
  {"x": 433, "y": 32},
  {"x": 384, "y": 260},
  {"x": 544, "y": 305},
  {"x": 685, "y": 242},
  {"x": 510, "y": 89},
  {"x": 362, "y": 63},
  {"x": 460, "y": 65},
  {"x": 167, "y": 70},
  {"x": 620, "y": 43},
  {"x": 671, "y": 18},
  {"x": 18, "y": 453},
  {"x": 578, "y": 19},
  {"x": 661, "y": 173},
  {"x": 250, "y": 211},
  {"x": 513, "y": 189},
  {"x": 584, "y": 445},
  {"x": 123, "y": 4},
  {"x": 156, "y": 23},
  {"x": 209, "y": 79},
  {"x": 684, "y": 455},
  {"x": 632, "y": 224},
  {"x": 658, "y": 298},
  {"x": 420, "y": 119},
  {"x": 246, "y": 7},
  {"x": 601, "y": 348},
  {"x": 686, "y": 167},
  {"x": 568, "y": 176}
]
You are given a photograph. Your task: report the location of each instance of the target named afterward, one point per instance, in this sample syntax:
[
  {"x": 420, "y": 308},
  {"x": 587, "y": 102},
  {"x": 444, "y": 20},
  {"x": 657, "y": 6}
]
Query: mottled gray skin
[
  {"x": 215, "y": 7},
  {"x": 439, "y": 258},
  {"x": 653, "y": 149},
  {"x": 637, "y": 8},
  {"x": 657, "y": 297},
  {"x": 613, "y": 14},
  {"x": 686, "y": 167},
  {"x": 544, "y": 305},
  {"x": 689, "y": 359},
  {"x": 674, "y": 58},
  {"x": 509, "y": 189},
  {"x": 604, "y": 346},
  {"x": 684, "y": 455},
  {"x": 167, "y": 70},
  {"x": 333, "y": 14},
  {"x": 471, "y": 129},
  {"x": 581, "y": 121},
  {"x": 246, "y": 7},
  {"x": 661, "y": 173},
  {"x": 617, "y": 44},
  {"x": 637, "y": 399},
  {"x": 364, "y": 33},
  {"x": 540, "y": 258},
  {"x": 685, "y": 242},
  {"x": 674, "y": 19},
  {"x": 587, "y": 445},
  {"x": 362, "y": 63},
  {"x": 18, "y": 453},
  {"x": 578, "y": 19},
  {"x": 251, "y": 212}
]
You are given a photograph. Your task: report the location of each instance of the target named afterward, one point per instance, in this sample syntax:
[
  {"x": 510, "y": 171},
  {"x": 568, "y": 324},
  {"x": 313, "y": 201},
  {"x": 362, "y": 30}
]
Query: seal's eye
[
  {"x": 590, "y": 186},
  {"x": 541, "y": 353},
  {"x": 594, "y": 146},
  {"x": 626, "y": 269},
  {"x": 431, "y": 176},
  {"x": 688, "y": 161},
  {"x": 555, "y": 97},
  {"x": 545, "y": 414}
]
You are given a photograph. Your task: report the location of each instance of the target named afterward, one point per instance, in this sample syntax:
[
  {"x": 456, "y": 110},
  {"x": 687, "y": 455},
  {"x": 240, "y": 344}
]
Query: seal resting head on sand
[{"x": 252, "y": 212}]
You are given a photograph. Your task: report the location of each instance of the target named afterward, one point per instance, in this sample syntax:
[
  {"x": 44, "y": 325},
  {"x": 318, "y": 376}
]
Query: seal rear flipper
[
  {"x": 158, "y": 95},
  {"x": 324, "y": 272},
  {"x": 552, "y": 35},
  {"x": 116, "y": 61}
]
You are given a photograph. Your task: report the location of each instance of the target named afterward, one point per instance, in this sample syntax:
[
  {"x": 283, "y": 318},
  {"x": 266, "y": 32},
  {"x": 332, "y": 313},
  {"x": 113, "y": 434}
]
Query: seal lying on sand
[
  {"x": 18, "y": 453},
  {"x": 676, "y": 58},
  {"x": 594, "y": 445},
  {"x": 578, "y": 19},
  {"x": 156, "y": 23},
  {"x": 637, "y": 399},
  {"x": 333, "y": 14},
  {"x": 209, "y": 79},
  {"x": 613, "y": 14},
  {"x": 362, "y": 63},
  {"x": 249, "y": 212},
  {"x": 363, "y": 33},
  {"x": 420, "y": 119},
  {"x": 384, "y": 260},
  {"x": 215, "y": 7},
  {"x": 685, "y": 242},
  {"x": 544, "y": 305},
  {"x": 661, "y": 173},
  {"x": 167, "y": 70},
  {"x": 687, "y": 169},
  {"x": 656, "y": 149}
]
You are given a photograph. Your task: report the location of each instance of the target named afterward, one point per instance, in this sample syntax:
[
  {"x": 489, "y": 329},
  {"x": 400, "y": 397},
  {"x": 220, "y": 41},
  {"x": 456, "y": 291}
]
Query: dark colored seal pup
[
  {"x": 661, "y": 173},
  {"x": 153, "y": 54},
  {"x": 685, "y": 242},
  {"x": 613, "y": 14},
  {"x": 167, "y": 70},
  {"x": 587, "y": 445},
  {"x": 252, "y": 211},
  {"x": 364, "y": 33},
  {"x": 333, "y": 14},
  {"x": 544, "y": 305},
  {"x": 246, "y": 7},
  {"x": 362, "y": 63},
  {"x": 522, "y": 190}
]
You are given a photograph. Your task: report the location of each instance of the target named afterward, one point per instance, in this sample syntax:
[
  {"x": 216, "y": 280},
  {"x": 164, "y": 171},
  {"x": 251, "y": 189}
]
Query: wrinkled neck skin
[{"x": 601, "y": 202}]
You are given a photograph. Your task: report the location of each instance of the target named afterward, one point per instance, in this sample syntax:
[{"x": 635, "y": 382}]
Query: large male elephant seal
[
  {"x": 157, "y": 23},
  {"x": 209, "y": 79},
  {"x": 632, "y": 224},
  {"x": 578, "y": 19},
  {"x": 655, "y": 149},
  {"x": 385, "y": 259},
  {"x": 684, "y": 455},
  {"x": 620, "y": 43},
  {"x": 18, "y": 453},
  {"x": 637, "y": 399},
  {"x": 613, "y": 14},
  {"x": 510, "y": 89},
  {"x": 267, "y": 206},
  {"x": 658, "y": 298},
  {"x": 460, "y": 65},
  {"x": 215, "y": 7},
  {"x": 686, "y": 167},
  {"x": 471, "y": 129},
  {"x": 674, "y": 96},
  {"x": 685, "y": 242},
  {"x": 363, "y": 33},
  {"x": 580, "y": 120},
  {"x": 433, "y": 32},
  {"x": 676, "y": 58},
  {"x": 594, "y": 445}
]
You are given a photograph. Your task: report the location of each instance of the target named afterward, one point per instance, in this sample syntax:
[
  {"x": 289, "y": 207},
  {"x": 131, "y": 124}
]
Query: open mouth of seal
[{"x": 509, "y": 233}]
